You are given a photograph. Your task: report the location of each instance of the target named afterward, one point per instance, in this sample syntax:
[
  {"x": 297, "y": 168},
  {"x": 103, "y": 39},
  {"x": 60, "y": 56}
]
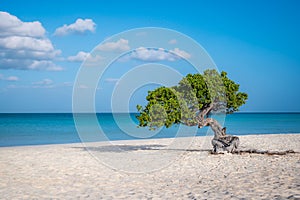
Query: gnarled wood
[
  {"x": 227, "y": 143},
  {"x": 202, "y": 114},
  {"x": 221, "y": 142},
  {"x": 218, "y": 130},
  {"x": 267, "y": 152}
]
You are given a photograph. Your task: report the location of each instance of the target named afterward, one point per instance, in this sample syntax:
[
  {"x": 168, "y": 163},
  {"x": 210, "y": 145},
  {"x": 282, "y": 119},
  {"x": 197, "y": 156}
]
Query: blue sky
[{"x": 256, "y": 42}]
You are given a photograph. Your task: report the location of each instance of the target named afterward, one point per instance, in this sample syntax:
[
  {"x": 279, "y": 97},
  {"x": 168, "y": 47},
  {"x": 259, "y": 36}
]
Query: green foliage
[
  {"x": 165, "y": 100},
  {"x": 182, "y": 103},
  {"x": 234, "y": 98}
]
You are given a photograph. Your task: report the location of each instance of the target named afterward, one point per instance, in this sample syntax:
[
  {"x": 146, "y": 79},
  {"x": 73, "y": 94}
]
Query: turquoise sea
[{"x": 36, "y": 129}]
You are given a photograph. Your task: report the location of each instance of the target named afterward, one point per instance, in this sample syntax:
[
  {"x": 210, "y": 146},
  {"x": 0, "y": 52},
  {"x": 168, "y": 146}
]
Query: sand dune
[{"x": 152, "y": 169}]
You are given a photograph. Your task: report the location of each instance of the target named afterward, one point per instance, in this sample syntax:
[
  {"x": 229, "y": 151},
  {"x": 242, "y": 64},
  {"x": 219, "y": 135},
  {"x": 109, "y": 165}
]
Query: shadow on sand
[
  {"x": 129, "y": 148},
  {"x": 158, "y": 147}
]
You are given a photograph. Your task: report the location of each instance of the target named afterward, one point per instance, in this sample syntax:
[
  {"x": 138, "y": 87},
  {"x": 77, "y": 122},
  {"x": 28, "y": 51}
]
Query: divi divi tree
[{"x": 192, "y": 103}]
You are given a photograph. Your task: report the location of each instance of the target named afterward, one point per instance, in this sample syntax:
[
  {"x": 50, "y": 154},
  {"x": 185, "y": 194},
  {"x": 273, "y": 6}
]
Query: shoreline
[
  {"x": 146, "y": 139},
  {"x": 151, "y": 169}
]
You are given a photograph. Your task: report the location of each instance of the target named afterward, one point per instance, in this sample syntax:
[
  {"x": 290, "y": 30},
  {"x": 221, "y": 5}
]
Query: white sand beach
[{"x": 152, "y": 169}]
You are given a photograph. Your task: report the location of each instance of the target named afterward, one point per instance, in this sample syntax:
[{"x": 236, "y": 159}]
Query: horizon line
[{"x": 242, "y": 112}]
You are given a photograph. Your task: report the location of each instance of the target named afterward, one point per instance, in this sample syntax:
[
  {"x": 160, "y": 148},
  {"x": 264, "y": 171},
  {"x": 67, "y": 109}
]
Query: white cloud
[
  {"x": 89, "y": 59},
  {"x": 45, "y": 81},
  {"x": 173, "y": 41},
  {"x": 150, "y": 54},
  {"x": 9, "y": 78},
  {"x": 80, "y": 26},
  {"x": 119, "y": 46},
  {"x": 26, "y": 64},
  {"x": 13, "y": 86},
  {"x": 45, "y": 65},
  {"x": 79, "y": 57},
  {"x": 12, "y": 78},
  {"x": 11, "y": 25},
  {"x": 181, "y": 53},
  {"x": 24, "y": 45},
  {"x": 147, "y": 54},
  {"x": 93, "y": 59}
]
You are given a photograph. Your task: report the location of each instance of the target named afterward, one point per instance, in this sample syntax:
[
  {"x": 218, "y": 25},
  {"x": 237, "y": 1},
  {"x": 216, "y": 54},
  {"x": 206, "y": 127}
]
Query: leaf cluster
[{"x": 195, "y": 92}]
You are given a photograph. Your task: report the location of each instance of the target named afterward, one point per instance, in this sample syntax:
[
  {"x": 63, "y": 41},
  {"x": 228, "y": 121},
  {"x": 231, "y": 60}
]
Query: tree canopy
[{"x": 193, "y": 99}]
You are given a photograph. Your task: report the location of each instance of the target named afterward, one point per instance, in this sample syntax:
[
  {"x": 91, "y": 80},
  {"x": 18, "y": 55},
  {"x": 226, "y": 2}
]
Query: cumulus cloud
[
  {"x": 160, "y": 54},
  {"x": 147, "y": 54},
  {"x": 28, "y": 64},
  {"x": 79, "y": 57},
  {"x": 24, "y": 45},
  {"x": 89, "y": 59},
  {"x": 80, "y": 26},
  {"x": 11, "y": 25},
  {"x": 118, "y": 46},
  {"x": 181, "y": 53}
]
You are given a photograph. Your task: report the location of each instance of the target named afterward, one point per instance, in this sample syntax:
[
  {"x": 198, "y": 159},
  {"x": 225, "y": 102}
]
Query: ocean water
[{"x": 37, "y": 129}]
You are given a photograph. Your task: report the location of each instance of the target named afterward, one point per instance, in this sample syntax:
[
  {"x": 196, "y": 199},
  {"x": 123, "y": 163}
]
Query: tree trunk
[{"x": 221, "y": 142}]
